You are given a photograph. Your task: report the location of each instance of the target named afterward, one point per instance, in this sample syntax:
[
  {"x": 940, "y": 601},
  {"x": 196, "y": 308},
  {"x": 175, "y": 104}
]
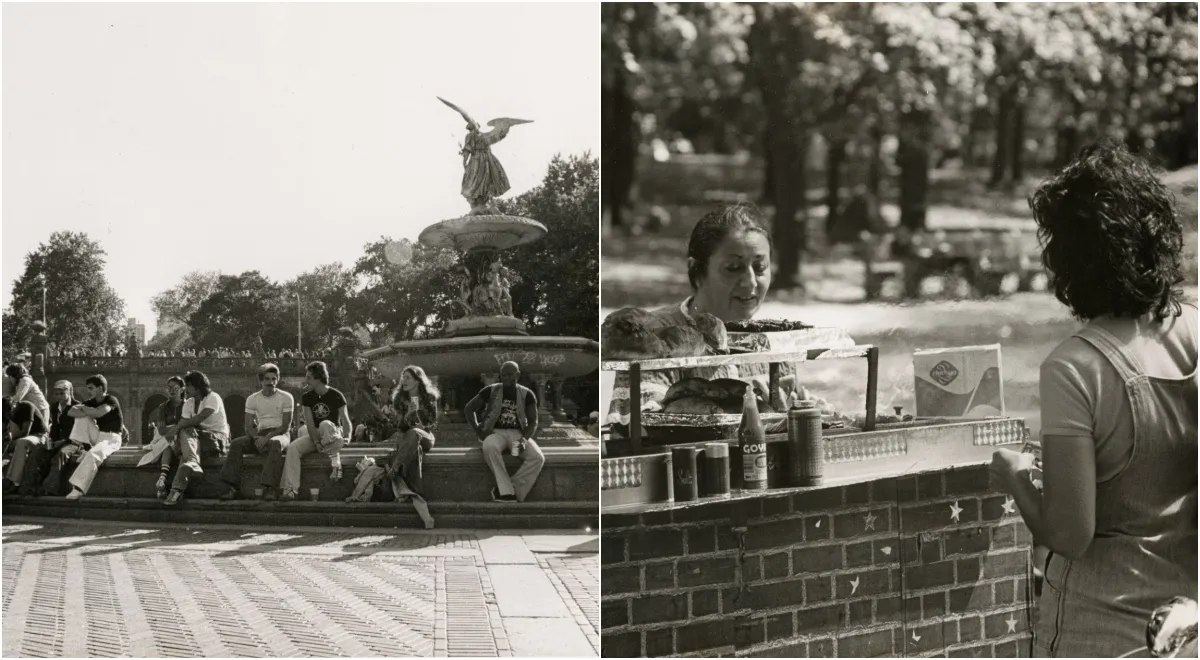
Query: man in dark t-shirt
[
  {"x": 29, "y": 430},
  {"x": 326, "y": 428},
  {"x": 61, "y": 452},
  {"x": 510, "y": 420},
  {"x": 98, "y": 425}
]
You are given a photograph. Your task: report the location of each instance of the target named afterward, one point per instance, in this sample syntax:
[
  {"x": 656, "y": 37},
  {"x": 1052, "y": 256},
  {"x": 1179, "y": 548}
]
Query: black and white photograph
[
  {"x": 898, "y": 330},
  {"x": 300, "y": 330}
]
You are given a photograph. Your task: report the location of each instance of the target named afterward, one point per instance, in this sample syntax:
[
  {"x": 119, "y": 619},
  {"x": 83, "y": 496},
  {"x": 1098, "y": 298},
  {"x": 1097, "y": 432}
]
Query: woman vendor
[{"x": 729, "y": 270}]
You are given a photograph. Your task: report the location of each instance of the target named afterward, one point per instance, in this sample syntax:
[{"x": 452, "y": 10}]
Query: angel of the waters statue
[{"x": 483, "y": 177}]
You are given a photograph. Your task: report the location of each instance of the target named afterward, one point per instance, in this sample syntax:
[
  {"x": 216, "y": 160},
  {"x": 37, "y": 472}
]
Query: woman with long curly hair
[
  {"x": 415, "y": 402},
  {"x": 1118, "y": 506}
]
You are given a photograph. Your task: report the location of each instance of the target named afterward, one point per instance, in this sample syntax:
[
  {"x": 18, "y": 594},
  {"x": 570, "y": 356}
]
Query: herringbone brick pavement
[{"x": 78, "y": 590}]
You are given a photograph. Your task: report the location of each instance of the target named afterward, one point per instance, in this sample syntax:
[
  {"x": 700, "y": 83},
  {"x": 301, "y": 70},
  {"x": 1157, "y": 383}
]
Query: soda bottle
[{"x": 753, "y": 441}]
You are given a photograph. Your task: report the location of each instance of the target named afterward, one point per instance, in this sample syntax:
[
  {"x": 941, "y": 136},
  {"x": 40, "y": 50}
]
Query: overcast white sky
[{"x": 276, "y": 137}]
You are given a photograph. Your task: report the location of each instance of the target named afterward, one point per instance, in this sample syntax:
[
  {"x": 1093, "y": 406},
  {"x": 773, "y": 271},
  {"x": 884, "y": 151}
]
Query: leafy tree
[
  {"x": 83, "y": 312},
  {"x": 325, "y": 294},
  {"x": 404, "y": 297},
  {"x": 175, "y": 306},
  {"x": 559, "y": 291},
  {"x": 242, "y": 311}
]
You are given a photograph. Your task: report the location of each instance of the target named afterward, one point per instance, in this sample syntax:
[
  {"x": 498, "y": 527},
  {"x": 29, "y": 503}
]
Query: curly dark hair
[{"x": 1111, "y": 237}]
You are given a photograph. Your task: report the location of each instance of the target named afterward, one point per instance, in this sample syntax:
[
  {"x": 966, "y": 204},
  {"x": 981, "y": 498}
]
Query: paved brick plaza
[{"x": 171, "y": 591}]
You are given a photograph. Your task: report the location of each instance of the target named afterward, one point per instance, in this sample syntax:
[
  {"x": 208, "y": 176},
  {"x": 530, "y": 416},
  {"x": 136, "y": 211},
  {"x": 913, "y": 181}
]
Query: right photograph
[{"x": 898, "y": 330}]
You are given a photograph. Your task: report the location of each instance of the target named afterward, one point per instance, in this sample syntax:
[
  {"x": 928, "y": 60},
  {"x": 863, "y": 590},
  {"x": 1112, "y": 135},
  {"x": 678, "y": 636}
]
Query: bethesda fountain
[{"x": 470, "y": 351}]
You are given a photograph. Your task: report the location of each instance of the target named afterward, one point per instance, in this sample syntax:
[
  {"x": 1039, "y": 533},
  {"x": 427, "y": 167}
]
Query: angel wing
[
  {"x": 505, "y": 123},
  {"x": 459, "y": 111}
]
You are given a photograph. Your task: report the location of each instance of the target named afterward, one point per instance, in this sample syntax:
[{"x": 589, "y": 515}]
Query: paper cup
[
  {"x": 258, "y": 493},
  {"x": 314, "y": 494}
]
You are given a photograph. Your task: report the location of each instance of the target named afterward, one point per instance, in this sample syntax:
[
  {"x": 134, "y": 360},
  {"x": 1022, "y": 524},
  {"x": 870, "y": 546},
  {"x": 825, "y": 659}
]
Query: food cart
[{"x": 639, "y": 473}]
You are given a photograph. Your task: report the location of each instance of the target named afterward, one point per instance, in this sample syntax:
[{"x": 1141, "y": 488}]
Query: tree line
[
  {"x": 382, "y": 298},
  {"x": 999, "y": 87}
]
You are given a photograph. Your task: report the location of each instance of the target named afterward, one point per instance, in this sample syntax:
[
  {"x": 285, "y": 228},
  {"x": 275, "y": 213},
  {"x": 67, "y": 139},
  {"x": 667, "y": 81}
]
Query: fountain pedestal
[{"x": 470, "y": 351}]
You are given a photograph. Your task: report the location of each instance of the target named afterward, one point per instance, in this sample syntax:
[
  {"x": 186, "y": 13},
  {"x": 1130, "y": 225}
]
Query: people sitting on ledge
[
  {"x": 415, "y": 403},
  {"x": 202, "y": 430},
  {"x": 61, "y": 423},
  {"x": 510, "y": 420},
  {"x": 30, "y": 433},
  {"x": 166, "y": 415},
  {"x": 96, "y": 434},
  {"x": 268, "y": 425},
  {"x": 326, "y": 428}
]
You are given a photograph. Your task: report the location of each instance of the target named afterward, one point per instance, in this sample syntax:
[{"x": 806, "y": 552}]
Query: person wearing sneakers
[
  {"x": 510, "y": 420},
  {"x": 97, "y": 428},
  {"x": 31, "y": 436},
  {"x": 326, "y": 428},
  {"x": 167, "y": 414},
  {"x": 203, "y": 430},
  {"x": 61, "y": 451},
  {"x": 268, "y": 420}
]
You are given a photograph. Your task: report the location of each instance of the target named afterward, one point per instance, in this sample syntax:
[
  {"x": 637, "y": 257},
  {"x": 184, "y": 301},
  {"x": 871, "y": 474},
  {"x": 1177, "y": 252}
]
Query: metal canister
[
  {"x": 687, "y": 487},
  {"x": 716, "y": 469},
  {"x": 806, "y": 451}
]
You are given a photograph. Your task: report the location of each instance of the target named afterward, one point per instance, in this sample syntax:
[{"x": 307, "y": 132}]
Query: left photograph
[{"x": 300, "y": 322}]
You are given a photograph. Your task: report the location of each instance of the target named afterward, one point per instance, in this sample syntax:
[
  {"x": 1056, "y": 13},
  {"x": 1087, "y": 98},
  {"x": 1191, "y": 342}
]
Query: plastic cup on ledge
[
  {"x": 314, "y": 494},
  {"x": 258, "y": 493}
]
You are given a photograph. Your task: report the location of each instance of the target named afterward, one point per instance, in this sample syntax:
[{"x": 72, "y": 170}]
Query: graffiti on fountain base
[{"x": 530, "y": 358}]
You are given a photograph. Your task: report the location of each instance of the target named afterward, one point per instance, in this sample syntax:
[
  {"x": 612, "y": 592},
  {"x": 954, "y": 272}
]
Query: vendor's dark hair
[
  {"x": 713, "y": 228},
  {"x": 1111, "y": 237},
  {"x": 97, "y": 380},
  {"x": 199, "y": 381},
  {"x": 16, "y": 371}
]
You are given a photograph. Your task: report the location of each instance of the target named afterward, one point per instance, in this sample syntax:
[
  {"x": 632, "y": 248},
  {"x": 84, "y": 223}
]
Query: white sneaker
[{"x": 75, "y": 494}]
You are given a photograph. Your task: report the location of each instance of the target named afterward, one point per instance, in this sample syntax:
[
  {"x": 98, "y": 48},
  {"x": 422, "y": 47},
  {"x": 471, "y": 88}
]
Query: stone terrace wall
[{"x": 870, "y": 569}]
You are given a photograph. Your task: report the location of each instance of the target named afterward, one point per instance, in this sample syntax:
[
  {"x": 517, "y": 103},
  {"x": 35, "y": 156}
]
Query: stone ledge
[
  {"x": 463, "y": 515},
  {"x": 128, "y": 457},
  {"x": 451, "y": 475}
]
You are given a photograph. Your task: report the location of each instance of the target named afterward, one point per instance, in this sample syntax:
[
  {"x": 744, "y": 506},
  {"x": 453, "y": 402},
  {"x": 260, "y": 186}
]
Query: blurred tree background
[{"x": 809, "y": 108}]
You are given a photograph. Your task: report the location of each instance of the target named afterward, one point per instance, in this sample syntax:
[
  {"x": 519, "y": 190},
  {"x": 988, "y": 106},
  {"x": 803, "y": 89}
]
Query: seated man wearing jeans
[
  {"x": 268, "y": 419},
  {"x": 202, "y": 431},
  {"x": 325, "y": 430},
  {"x": 30, "y": 433},
  {"x": 510, "y": 421},
  {"x": 98, "y": 424}
]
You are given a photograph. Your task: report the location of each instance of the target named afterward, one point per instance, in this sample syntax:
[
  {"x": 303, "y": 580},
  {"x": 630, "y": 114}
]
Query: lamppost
[
  {"x": 297, "y": 321},
  {"x": 42, "y": 280}
]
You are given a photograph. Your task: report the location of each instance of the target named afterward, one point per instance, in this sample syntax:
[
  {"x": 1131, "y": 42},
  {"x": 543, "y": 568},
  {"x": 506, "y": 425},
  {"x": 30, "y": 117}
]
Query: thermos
[
  {"x": 753, "y": 441},
  {"x": 687, "y": 487},
  {"x": 716, "y": 469},
  {"x": 806, "y": 452}
]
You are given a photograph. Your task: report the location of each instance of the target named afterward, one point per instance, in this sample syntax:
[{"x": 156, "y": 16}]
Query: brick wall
[{"x": 927, "y": 565}]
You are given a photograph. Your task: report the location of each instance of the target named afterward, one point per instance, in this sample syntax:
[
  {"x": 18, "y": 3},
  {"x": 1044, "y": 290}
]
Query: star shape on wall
[
  {"x": 870, "y": 520},
  {"x": 955, "y": 510},
  {"x": 1009, "y": 505},
  {"x": 854, "y": 584},
  {"x": 1012, "y": 624}
]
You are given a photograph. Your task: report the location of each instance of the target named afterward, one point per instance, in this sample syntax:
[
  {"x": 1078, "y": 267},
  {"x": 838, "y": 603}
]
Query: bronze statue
[{"x": 483, "y": 177}]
